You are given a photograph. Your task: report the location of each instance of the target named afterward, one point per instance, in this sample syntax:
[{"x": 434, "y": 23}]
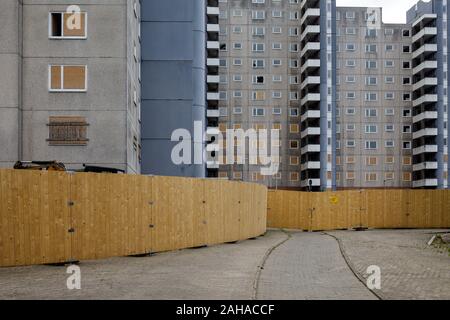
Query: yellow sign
[{"x": 334, "y": 200}]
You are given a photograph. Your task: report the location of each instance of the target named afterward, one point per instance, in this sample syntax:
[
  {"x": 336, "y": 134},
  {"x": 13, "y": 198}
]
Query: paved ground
[
  {"x": 309, "y": 267},
  {"x": 410, "y": 269},
  {"x": 302, "y": 266}
]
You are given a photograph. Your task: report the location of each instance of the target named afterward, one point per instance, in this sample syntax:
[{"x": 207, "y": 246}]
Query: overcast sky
[{"x": 394, "y": 11}]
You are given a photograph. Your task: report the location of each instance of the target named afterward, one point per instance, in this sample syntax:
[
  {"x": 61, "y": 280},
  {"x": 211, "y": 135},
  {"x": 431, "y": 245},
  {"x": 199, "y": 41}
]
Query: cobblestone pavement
[
  {"x": 219, "y": 272},
  {"x": 309, "y": 267},
  {"x": 410, "y": 269},
  {"x": 304, "y": 266}
]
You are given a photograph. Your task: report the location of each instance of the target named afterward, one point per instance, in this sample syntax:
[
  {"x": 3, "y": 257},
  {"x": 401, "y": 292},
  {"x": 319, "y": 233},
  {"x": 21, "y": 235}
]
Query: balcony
[
  {"x": 211, "y": 96},
  {"x": 312, "y": 114},
  {"x": 427, "y": 115},
  {"x": 424, "y": 18},
  {"x": 425, "y": 166},
  {"x": 310, "y": 63},
  {"x": 428, "y": 132},
  {"x": 310, "y": 97},
  {"x": 312, "y": 29},
  {"x": 426, "y": 82},
  {"x": 311, "y": 165},
  {"x": 315, "y": 183},
  {"x": 425, "y": 149},
  {"x": 213, "y": 79},
  {"x": 212, "y": 28},
  {"x": 310, "y": 132},
  {"x": 310, "y": 81},
  {"x": 311, "y": 46},
  {"x": 212, "y": 113},
  {"x": 423, "y": 49},
  {"x": 213, "y": 62},
  {"x": 425, "y": 183},
  {"x": 213, "y": 45},
  {"x": 311, "y": 148},
  {"x": 212, "y": 164},
  {"x": 425, "y": 32},
  {"x": 427, "y": 98},
  {"x": 312, "y": 13},
  {"x": 213, "y": 11},
  {"x": 426, "y": 65}
]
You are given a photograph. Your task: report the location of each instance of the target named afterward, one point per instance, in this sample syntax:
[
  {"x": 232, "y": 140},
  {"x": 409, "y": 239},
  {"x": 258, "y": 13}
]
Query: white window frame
[{"x": 62, "y": 78}]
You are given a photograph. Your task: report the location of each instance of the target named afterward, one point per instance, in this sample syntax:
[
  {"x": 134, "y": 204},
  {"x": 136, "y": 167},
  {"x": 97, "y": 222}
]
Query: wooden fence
[
  {"x": 378, "y": 209},
  {"x": 51, "y": 217}
]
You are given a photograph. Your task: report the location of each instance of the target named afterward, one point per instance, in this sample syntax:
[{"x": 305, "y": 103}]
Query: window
[
  {"x": 406, "y": 113},
  {"x": 276, "y": 112},
  {"x": 294, "y": 161},
  {"x": 277, "y": 14},
  {"x": 237, "y": 29},
  {"x": 406, "y": 145},
  {"x": 237, "y": 62},
  {"x": 390, "y": 160},
  {"x": 371, "y": 161},
  {"x": 237, "y": 110},
  {"x": 389, "y": 96},
  {"x": 371, "y": 145},
  {"x": 276, "y": 46},
  {"x": 67, "y": 78},
  {"x": 293, "y": 112},
  {"x": 371, "y": 96},
  {"x": 371, "y": 64},
  {"x": 294, "y": 177},
  {"x": 371, "y": 129},
  {"x": 370, "y": 113},
  {"x": 351, "y": 143},
  {"x": 293, "y": 144},
  {"x": 259, "y": 31},
  {"x": 294, "y": 128},
  {"x": 258, "y": 47},
  {"x": 407, "y": 161},
  {"x": 350, "y": 15},
  {"x": 350, "y": 31},
  {"x": 371, "y": 48},
  {"x": 371, "y": 33},
  {"x": 407, "y": 176},
  {"x": 371, "y": 177},
  {"x": 350, "y": 176},
  {"x": 237, "y": 78},
  {"x": 258, "y": 95},
  {"x": 277, "y": 78},
  {"x": 407, "y": 49},
  {"x": 350, "y": 63},
  {"x": 237, "y": 46},
  {"x": 389, "y": 47},
  {"x": 258, "y": 112},
  {"x": 67, "y": 131},
  {"x": 276, "y": 62},
  {"x": 406, "y": 65},
  {"x": 407, "y": 129},
  {"x": 258, "y": 79},
  {"x": 68, "y": 25},
  {"x": 293, "y": 47},
  {"x": 277, "y": 30},
  {"x": 258, "y": 64},
  {"x": 389, "y": 127},
  {"x": 258, "y": 15},
  {"x": 389, "y": 112},
  {"x": 371, "y": 81},
  {"x": 406, "y": 33},
  {"x": 350, "y": 47},
  {"x": 389, "y": 143},
  {"x": 389, "y": 64},
  {"x": 276, "y": 94}
]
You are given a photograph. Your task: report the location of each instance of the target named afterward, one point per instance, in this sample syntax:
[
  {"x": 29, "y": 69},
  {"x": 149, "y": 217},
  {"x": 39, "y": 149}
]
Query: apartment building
[
  {"x": 180, "y": 83},
  {"x": 73, "y": 86},
  {"x": 262, "y": 66},
  {"x": 374, "y": 102},
  {"x": 430, "y": 61}
]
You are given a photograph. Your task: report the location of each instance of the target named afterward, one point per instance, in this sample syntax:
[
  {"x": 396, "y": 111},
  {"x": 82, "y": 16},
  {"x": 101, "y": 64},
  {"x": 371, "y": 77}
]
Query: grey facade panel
[
  {"x": 167, "y": 10},
  {"x": 155, "y": 110},
  {"x": 167, "y": 41},
  {"x": 173, "y": 80},
  {"x": 170, "y": 80}
]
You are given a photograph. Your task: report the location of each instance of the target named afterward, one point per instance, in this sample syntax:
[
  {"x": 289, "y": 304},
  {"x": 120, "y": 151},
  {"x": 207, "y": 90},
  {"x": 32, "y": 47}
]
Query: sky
[{"x": 394, "y": 11}]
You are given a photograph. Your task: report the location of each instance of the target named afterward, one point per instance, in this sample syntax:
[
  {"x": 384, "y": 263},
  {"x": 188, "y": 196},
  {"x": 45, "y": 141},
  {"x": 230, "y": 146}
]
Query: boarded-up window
[
  {"x": 371, "y": 177},
  {"x": 294, "y": 128},
  {"x": 68, "y": 78},
  {"x": 407, "y": 176},
  {"x": 407, "y": 161},
  {"x": 68, "y": 25},
  {"x": 65, "y": 131},
  {"x": 371, "y": 161}
]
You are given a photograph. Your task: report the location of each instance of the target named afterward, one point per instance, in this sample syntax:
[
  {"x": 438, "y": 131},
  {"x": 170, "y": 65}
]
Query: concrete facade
[
  {"x": 110, "y": 104},
  {"x": 370, "y": 62}
]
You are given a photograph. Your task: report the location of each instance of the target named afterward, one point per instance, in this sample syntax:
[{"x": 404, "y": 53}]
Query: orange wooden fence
[
  {"x": 51, "y": 217},
  {"x": 376, "y": 209}
]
